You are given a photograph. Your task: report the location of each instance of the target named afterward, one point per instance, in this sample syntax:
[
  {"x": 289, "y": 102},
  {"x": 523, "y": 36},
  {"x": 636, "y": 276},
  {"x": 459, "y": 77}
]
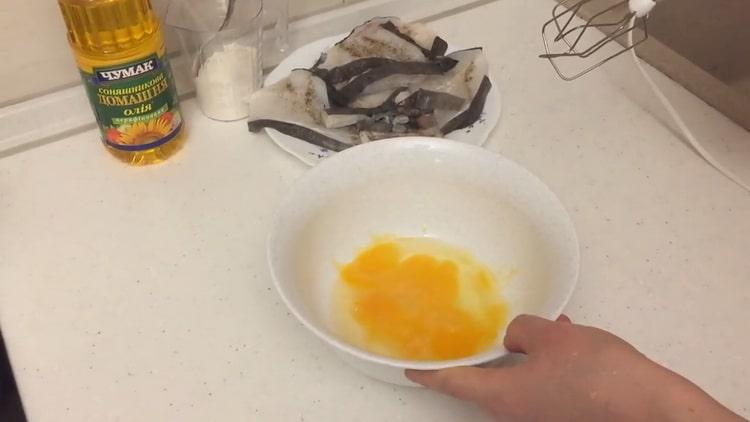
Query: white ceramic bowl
[{"x": 458, "y": 193}]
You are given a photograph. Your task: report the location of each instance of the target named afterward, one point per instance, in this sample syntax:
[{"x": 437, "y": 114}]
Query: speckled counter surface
[{"x": 144, "y": 295}]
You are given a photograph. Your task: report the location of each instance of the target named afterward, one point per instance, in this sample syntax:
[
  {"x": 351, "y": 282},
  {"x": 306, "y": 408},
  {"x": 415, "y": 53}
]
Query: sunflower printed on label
[{"x": 135, "y": 104}]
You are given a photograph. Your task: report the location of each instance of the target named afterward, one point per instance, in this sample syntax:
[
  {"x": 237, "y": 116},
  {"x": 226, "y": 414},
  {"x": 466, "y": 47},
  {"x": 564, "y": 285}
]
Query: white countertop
[{"x": 143, "y": 294}]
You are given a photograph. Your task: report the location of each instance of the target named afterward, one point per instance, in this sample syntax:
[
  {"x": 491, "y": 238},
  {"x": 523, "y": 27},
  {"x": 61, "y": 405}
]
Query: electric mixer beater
[
  {"x": 571, "y": 40},
  {"x": 567, "y": 40}
]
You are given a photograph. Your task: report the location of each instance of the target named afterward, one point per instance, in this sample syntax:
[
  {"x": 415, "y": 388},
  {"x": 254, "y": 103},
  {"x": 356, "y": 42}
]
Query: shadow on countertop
[{"x": 11, "y": 409}]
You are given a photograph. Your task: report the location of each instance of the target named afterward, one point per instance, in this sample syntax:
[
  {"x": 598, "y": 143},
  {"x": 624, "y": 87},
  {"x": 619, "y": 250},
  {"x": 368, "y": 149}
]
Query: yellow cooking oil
[{"x": 119, "y": 48}]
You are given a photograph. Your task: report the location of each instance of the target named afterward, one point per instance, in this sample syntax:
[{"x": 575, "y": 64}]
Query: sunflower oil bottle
[{"x": 119, "y": 48}]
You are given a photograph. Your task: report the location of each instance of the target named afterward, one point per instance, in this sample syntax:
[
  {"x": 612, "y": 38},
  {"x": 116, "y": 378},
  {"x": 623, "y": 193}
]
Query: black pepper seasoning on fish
[
  {"x": 392, "y": 28},
  {"x": 351, "y": 91}
]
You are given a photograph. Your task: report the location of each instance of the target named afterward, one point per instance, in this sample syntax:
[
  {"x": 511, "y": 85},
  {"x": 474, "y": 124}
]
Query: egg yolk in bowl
[{"x": 419, "y": 299}]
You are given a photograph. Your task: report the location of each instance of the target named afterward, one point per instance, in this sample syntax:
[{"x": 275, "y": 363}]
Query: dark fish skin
[
  {"x": 357, "y": 67},
  {"x": 320, "y": 61},
  {"x": 439, "y": 48},
  {"x": 299, "y": 132},
  {"x": 354, "y": 68},
  {"x": 426, "y": 100},
  {"x": 473, "y": 113},
  {"x": 420, "y": 104},
  {"x": 351, "y": 91}
]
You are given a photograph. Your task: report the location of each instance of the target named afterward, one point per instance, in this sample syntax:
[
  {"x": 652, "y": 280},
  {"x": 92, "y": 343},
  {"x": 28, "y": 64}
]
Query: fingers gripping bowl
[{"x": 421, "y": 188}]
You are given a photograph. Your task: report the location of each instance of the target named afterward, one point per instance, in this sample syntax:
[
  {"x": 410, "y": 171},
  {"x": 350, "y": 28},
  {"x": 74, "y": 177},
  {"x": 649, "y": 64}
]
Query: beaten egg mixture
[{"x": 419, "y": 299}]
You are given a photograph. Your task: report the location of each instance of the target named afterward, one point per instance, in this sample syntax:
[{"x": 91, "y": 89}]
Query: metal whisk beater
[{"x": 565, "y": 38}]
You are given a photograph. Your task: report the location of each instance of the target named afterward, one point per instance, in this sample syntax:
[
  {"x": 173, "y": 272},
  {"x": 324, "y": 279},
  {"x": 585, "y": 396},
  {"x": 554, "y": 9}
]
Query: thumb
[{"x": 465, "y": 383}]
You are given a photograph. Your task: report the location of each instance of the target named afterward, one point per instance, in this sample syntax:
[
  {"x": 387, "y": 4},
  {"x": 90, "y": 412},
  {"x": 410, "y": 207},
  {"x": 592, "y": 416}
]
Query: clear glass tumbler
[{"x": 224, "y": 41}]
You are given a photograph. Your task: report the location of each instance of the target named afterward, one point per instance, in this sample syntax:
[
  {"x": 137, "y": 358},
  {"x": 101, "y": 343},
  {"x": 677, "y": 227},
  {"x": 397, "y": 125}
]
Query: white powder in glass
[{"x": 225, "y": 81}]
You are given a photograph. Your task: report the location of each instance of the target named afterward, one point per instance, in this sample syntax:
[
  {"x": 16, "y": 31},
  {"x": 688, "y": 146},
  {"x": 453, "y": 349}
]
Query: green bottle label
[{"x": 135, "y": 103}]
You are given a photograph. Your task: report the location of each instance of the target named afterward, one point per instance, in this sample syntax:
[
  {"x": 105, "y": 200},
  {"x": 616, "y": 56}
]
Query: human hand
[{"x": 575, "y": 373}]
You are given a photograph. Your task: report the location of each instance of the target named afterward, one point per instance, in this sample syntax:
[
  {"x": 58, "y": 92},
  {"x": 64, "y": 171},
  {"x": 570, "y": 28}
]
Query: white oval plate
[{"x": 307, "y": 55}]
